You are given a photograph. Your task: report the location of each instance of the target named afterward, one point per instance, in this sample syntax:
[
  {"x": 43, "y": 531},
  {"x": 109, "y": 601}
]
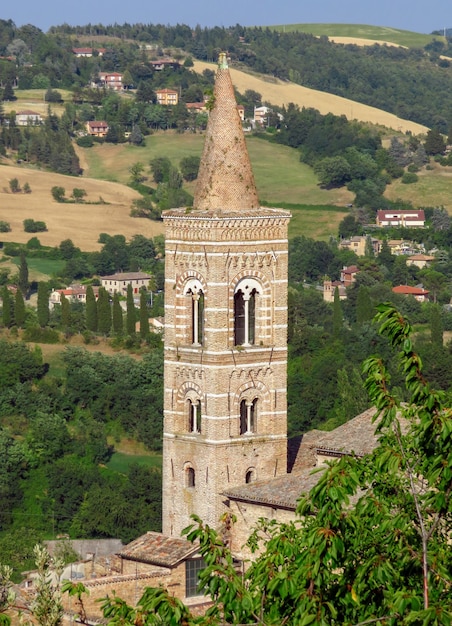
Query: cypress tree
[
  {"x": 103, "y": 312},
  {"x": 364, "y": 308},
  {"x": 19, "y": 309},
  {"x": 6, "y": 307},
  {"x": 65, "y": 312},
  {"x": 118, "y": 324},
  {"x": 91, "y": 310},
  {"x": 144, "y": 315},
  {"x": 43, "y": 304},
  {"x": 436, "y": 326},
  {"x": 23, "y": 274},
  {"x": 337, "y": 314},
  {"x": 131, "y": 314}
]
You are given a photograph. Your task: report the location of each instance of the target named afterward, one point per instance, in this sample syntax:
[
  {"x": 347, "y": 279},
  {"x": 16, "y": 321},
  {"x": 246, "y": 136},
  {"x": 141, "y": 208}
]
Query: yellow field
[
  {"x": 282, "y": 93},
  {"x": 360, "y": 41},
  {"x": 80, "y": 222}
]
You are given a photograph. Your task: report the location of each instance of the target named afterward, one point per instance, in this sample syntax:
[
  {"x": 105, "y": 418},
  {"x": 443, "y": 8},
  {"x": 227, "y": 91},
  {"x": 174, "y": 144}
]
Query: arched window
[
  {"x": 194, "y": 416},
  {"x": 248, "y": 416},
  {"x": 189, "y": 477},
  {"x": 245, "y": 311},
  {"x": 193, "y": 289},
  {"x": 250, "y": 476}
]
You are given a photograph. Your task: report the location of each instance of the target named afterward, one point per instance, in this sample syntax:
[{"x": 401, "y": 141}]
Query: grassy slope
[{"x": 362, "y": 31}]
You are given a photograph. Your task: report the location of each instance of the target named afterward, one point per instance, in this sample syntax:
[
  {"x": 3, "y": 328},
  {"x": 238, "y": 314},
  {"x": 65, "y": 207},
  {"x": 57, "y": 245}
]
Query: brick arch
[
  {"x": 189, "y": 390},
  {"x": 250, "y": 389},
  {"x": 186, "y": 276},
  {"x": 250, "y": 273}
]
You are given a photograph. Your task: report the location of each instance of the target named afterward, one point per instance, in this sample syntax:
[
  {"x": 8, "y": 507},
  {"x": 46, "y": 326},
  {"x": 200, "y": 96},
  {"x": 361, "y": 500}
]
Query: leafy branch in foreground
[{"x": 371, "y": 541}]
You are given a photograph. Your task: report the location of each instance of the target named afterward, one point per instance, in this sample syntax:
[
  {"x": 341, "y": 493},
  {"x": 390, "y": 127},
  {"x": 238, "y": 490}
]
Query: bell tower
[{"x": 225, "y": 417}]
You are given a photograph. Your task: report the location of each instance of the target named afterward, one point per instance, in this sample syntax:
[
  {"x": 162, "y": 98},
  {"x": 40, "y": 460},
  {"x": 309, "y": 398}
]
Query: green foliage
[
  {"x": 43, "y": 304},
  {"x": 103, "y": 312},
  {"x": 32, "y": 226},
  {"x": 19, "y": 309},
  {"x": 131, "y": 316},
  {"x": 189, "y": 167},
  {"x": 23, "y": 274},
  {"x": 78, "y": 194},
  {"x": 14, "y": 185},
  {"x": 5, "y": 227},
  {"x": 118, "y": 324},
  {"x": 58, "y": 193},
  {"x": 91, "y": 310},
  {"x": 85, "y": 142},
  {"x": 409, "y": 178}
]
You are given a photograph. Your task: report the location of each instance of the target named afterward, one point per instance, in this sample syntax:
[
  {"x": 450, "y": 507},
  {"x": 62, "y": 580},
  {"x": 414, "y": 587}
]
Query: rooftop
[{"x": 158, "y": 549}]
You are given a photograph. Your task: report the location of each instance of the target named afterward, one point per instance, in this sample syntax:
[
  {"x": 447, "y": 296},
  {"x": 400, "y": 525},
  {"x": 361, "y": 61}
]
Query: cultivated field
[
  {"x": 377, "y": 34},
  {"x": 281, "y": 93},
  {"x": 80, "y": 222}
]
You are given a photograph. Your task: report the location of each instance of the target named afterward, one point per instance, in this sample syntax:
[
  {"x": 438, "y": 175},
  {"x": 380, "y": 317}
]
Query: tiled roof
[
  {"x": 408, "y": 290},
  {"x": 357, "y": 436},
  {"x": 158, "y": 549},
  {"x": 127, "y": 276}
]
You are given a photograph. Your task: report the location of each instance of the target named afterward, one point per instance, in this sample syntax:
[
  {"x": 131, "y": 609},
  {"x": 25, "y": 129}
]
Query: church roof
[
  {"x": 357, "y": 436},
  {"x": 158, "y": 549},
  {"x": 225, "y": 179}
]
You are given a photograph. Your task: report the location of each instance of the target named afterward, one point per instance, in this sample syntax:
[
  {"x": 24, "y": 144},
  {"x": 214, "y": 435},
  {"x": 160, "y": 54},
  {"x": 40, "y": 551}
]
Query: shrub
[
  {"x": 11, "y": 249},
  {"x": 58, "y": 193},
  {"x": 85, "y": 142},
  {"x": 41, "y": 335},
  {"x": 33, "y": 244},
  {"x": 5, "y": 227},
  {"x": 409, "y": 177},
  {"x": 31, "y": 226},
  {"x": 26, "y": 188},
  {"x": 14, "y": 185}
]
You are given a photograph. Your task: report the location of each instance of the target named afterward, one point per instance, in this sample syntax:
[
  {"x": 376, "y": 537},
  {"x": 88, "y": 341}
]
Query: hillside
[
  {"x": 80, "y": 222},
  {"x": 280, "y": 93},
  {"x": 374, "y": 34}
]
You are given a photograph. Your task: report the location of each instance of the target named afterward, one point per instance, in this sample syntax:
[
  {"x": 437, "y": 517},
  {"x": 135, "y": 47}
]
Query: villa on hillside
[
  {"x": 119, "y": 282},
  {"x": 97, "y": 128},
  {"x": 407, "y": 219},
  {"x": 74, "y": 293},
  {"x": 28, "y": 118},
  {"x": 167, "y": 97},
  {"x": 419, "y": 293}
]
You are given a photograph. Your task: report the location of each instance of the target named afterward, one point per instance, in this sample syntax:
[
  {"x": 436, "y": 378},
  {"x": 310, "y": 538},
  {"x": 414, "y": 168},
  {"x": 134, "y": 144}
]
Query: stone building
[{"x": 225, "y": 418}]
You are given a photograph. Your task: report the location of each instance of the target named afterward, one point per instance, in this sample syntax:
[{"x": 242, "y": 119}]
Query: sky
[{"x": 417, "y": 15}]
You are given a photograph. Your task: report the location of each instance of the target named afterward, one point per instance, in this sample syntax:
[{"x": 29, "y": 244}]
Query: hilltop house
[
  {"x": 74, "y": 293},
  {"x": 358, "y": 243},
  {"x": 119, "y": 282},
  {"x": 111, "y": 80},
  {"x": 419, "y": 293},
  {"x": 407, "y": 219},
  {"x": 28, "y": 118},
  {"x": 97, "y": 128},
  {"x": 167, "y": 97}
]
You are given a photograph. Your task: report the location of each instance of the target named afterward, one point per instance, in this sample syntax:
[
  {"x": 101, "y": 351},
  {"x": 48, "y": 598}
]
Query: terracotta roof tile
[{"x": 158, "y": 549}]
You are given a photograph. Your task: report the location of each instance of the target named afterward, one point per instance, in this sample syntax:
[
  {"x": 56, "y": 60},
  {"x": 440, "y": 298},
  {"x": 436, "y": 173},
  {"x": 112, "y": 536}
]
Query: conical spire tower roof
[{"x": 225, "y": 179}]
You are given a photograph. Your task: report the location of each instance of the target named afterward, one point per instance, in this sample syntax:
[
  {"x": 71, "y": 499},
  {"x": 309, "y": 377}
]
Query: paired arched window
[
  {"x": 194, "y": 416},
  {"x": 193, "y": 290},
  {"x": 248, "y": 416},
  {"x": 245, "y": 296}
]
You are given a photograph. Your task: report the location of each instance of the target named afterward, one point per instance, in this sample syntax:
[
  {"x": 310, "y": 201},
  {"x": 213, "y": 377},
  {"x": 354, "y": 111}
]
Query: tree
[
  {"x": 434, "y": 142},
  {"x": 160, "y": 167},
  {"x": 144, "y": 315},
  {"x": 136, "y": 172},
  {"x": 371, "y": 540},
  {"x": 118, "y": 324},
  {"x": 364, "y": 309},
  {"x": 58, "y": 193},
  {"x": 43, "y": 304},
  {"x": 436, "y": 326},
  {"x": 14, "y": 185},
  {"x": 46, "y": 606},
  {"x": 338, "y": 324},
  {"x": 26, "y": 188},
  {"x": 32, "y": 226},
  {"x": 131, "y": 313},
  {"x": 91, "y": 310},
  {"x": 333, "y": 171},
  {"x": 103, "y": 312},
  {"x": 189, "y": 167},
  {"x": 19, "y": 309},
  {"x": 23, "y": 274},
  {"x": 65, "y": 312},
  {"x": 6, "y": 307},
  {"x": 78, "y": 195},
  {"x": 136, "y": 136}
]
